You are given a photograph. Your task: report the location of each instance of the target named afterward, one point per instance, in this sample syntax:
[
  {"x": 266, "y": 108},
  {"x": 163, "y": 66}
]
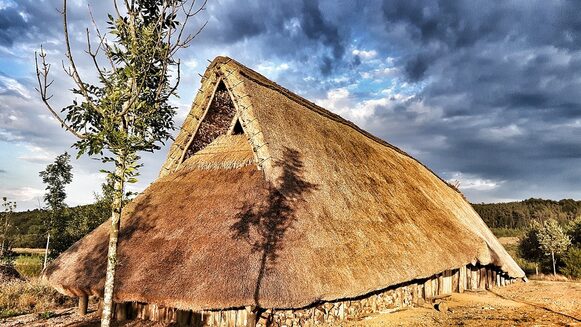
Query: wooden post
[
  {"x": 251, "y": 314},
  {"x": 183, "y": 317},
  {"x": 121, "y": 311},
  {"x": 474, "y": 277},
  {"x": 462, "y": 279},
  {"x": 468, "y": 277},
  {"x": 482, "y": 278},
  {"x": 448, "y": 282},
  {"x": 413, "y": 288},
  {"x": 456, "y": 281},
  {"x": 197, "y": 319},
  {"x": 428, "y": 289},
  {"x": 83, "y": 305}
]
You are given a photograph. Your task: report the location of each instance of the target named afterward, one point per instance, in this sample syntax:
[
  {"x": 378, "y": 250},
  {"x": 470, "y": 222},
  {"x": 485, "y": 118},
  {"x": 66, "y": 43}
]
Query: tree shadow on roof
[{"x": 264, "y": 225}]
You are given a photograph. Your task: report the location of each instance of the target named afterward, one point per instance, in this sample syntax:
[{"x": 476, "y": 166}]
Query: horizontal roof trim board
[{"x": 302, "y": 207}]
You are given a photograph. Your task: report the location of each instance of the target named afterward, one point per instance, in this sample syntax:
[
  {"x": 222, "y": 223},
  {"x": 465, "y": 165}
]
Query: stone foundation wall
[{"x": 387, "y": 300}]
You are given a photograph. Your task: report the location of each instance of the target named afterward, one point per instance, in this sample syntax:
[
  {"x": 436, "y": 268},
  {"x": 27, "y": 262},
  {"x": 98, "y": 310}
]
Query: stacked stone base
[{"x": 387, "y": 300}]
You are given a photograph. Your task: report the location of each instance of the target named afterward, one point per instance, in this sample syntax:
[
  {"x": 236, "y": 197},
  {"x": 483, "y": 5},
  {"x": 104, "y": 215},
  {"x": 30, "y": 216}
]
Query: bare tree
[{"x": 128, "y": 111}]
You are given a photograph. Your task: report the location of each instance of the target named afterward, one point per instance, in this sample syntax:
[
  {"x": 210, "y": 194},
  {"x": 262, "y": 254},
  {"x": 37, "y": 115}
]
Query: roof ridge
[{"x": 268, "y": 83}]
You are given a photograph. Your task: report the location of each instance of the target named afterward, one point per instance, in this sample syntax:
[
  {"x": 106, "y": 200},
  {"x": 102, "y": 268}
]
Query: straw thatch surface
[
  {"x": 325, "y": 212},
  {"x": 225, "y": 152}
]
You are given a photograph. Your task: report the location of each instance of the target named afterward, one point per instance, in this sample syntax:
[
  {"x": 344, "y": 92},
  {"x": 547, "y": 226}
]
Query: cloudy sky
[{"x": 485, "y": 92}]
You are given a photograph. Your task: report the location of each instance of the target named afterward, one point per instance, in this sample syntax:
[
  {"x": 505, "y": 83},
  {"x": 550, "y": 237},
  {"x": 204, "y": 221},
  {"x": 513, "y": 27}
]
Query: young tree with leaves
[
  {"x": 552, "y": 240},
  {"x": 8, "y": 207},
  {"x": 56, "y": 176},
  {"x": 128, "y": 110}
]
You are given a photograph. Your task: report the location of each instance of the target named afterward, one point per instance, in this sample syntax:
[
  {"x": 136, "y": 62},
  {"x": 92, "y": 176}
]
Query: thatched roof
[{"x": 303, "y": 206}]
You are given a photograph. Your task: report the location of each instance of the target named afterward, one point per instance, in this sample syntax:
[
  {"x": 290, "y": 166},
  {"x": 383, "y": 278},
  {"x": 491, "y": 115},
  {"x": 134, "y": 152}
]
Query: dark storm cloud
[
  {"x": 497, "y": 83},
  {"x": 28, "y": 20},
  {"x": 293, "y": 30},
  {"x": 317, "y": 28},
  {"x": 11, "y": 25},
  {"x": 501, "y": 79},
  {"x": 2, "y": 171}
]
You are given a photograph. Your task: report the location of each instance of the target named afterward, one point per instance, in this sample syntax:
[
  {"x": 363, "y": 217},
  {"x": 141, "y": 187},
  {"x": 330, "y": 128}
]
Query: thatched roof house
[{"x": 268, "y": 200}]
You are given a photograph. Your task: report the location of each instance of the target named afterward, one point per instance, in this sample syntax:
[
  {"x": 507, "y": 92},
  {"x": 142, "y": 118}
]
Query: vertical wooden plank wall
[{"x": 470, "y": 277}]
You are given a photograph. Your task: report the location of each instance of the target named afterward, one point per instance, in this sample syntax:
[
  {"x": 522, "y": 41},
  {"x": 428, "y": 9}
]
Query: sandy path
[{"x": 532, "y": 304}]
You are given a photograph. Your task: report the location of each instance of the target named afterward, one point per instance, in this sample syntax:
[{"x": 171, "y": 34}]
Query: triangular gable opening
[
  {"x": 237, "y": 130},
  {"x": 216, "y": 122}
]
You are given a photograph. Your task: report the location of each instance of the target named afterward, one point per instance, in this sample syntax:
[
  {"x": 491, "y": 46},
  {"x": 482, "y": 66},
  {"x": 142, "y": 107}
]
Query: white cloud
[
  {"x": 191, "y": 63},
  {"x": 21, "y": 194},
  {"x": 10, "y": 84},
  {"x": 501, "y": 133},
  {"x": 363, "y": 54},
  {"x": 293, "y": 25},
  {"x": 473, "y": 182},
  {"x": 5, "y": 4},
  {"x": 268, "y": 67},
  {"x": 36, "y": 154},
  {"x": 381, "y": 73},
  {"x": 341, "y": 102}
]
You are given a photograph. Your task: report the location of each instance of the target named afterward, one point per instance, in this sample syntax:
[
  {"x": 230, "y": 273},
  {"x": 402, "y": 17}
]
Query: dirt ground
[{"x": 536, "y": 303}]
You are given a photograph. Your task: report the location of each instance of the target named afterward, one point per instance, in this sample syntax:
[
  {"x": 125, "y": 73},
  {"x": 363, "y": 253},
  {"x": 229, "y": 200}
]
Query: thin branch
[
  {"x": 73, "y": 72},
  {"x": 43, "y": 85},
  {"x": 116, "y": 8},
  {"x": 94, "y": 57},
  {"x": 185, "y": 43},
  {"x": 103, "y": 39},
  {"x": 178, "y": 78}
]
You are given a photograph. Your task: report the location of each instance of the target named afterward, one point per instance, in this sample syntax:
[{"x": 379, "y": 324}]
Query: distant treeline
[
  {"x": 518, "y": 215},
  {"x": 28, "y": 228}
]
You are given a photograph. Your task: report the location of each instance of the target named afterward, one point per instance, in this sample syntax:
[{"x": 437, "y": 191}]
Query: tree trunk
[
  {"x": 4, "y": 234},
  {"x": 83, "y": 304},
  {"x": 46, "y": 251},
  {"x": 554, "y": 268},
  {"x": 113, "y": 238}
]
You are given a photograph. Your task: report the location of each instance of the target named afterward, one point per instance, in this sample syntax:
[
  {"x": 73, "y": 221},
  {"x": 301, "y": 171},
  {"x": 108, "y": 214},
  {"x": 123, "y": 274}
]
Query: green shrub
[
  {"x": 572, "y": 262},
  {"x": 507, "y": 232},
  {"x": 29, "y": 265},
  {"x": 46, "y": 314},
  {"x": 530, "y": 268}
]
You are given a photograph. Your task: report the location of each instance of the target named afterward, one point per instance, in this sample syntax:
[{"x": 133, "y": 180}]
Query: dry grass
[
  {"x": 29, "y": 266},
  {"x": 34, "y": 295},
  {"x": 549, "y": 277}
]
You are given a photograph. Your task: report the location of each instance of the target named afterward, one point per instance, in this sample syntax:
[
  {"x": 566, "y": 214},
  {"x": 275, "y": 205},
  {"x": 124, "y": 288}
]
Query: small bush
[
  {"x": 46, "y": 314},
  {"x": 572, "y": 262},
  {"x": 29, "y": 265},
  {"x": 19, "y": 297},
  {"x": 507, "y": 232},
  {"x": 530, "y": 268}
]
